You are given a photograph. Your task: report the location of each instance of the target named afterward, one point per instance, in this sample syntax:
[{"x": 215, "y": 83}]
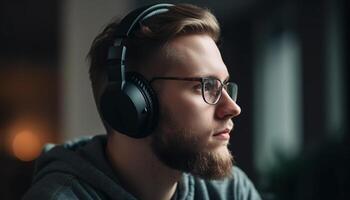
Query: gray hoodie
[{"x": 80, "y": 170}]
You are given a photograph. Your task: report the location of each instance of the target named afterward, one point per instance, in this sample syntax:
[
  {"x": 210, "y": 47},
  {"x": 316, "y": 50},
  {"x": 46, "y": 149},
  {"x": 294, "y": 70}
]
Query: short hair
[{"x": 149, "y": 38}]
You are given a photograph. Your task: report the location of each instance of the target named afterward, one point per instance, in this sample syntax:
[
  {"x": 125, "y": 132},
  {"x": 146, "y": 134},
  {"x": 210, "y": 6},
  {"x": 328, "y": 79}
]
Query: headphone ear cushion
[
  {"x": 149, "y": 95},
  {"x": 133, "y": 110}
]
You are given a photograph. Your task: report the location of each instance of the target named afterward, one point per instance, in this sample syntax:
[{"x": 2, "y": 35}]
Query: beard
[{"x": 186, "y": 150}]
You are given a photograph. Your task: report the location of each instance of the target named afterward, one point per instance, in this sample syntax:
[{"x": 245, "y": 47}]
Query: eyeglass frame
[{"x": 201, "y": 80}]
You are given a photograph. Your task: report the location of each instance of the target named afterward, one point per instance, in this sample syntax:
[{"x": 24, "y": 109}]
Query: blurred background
[{"x": 288, "y": 57}]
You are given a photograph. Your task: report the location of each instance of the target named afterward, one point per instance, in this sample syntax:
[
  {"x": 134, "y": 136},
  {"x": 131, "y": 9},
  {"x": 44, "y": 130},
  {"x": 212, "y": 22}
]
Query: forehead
[{"x": 193, "y": 55}]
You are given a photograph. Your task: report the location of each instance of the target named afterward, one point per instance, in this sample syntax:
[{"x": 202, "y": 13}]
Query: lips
[{"x": 223, "y": 134}]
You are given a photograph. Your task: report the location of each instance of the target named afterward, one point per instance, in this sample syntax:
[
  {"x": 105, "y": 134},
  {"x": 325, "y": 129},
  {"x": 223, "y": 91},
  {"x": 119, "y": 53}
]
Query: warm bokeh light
[
  {"x": 26, "y": 135},
  {"x": 26, "y": 145}
]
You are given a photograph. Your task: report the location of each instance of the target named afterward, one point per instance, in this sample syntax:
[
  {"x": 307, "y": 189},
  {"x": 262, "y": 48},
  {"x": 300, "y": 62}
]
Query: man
[{"x": 168, "y": 119}]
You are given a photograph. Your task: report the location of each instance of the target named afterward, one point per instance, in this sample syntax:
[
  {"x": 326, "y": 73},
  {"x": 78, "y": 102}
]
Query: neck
[{"x": 139, "y": 171}]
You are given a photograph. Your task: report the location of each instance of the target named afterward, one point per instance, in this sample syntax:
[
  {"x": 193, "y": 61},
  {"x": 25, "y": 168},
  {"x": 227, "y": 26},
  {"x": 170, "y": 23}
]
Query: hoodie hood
[{"x": 86, "y": 160}]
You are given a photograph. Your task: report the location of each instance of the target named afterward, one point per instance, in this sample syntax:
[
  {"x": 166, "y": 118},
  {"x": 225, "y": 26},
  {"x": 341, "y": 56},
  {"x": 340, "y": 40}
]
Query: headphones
[{"x": 129, "y": 104}]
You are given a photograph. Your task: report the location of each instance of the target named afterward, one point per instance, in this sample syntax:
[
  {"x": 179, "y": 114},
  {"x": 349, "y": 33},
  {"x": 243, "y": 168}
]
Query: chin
[
  {"x": 223, "y": 151},
  {"x": 215, "y": 164},
  {"x": 215, "y": 146}
]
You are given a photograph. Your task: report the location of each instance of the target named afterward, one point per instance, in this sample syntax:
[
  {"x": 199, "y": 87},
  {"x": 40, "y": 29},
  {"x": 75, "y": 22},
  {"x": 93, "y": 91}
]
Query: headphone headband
[
  {"x": 127, "y": 25},
  {"x": 117, "y": 52}
]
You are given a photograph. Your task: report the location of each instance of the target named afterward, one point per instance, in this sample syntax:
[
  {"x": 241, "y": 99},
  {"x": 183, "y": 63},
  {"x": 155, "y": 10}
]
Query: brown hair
[{"x": 149, "y": 39}]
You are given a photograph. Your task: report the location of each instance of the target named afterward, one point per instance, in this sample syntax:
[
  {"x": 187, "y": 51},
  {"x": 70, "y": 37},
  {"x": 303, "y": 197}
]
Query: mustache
[{"x": 225, "y": 126}]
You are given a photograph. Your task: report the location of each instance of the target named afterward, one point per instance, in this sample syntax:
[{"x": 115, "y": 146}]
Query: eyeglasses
[{"x": 211, "y": 87}]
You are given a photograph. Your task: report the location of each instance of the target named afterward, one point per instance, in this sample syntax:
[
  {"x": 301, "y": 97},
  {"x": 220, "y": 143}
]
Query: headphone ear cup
[
  {"x": 110, "y": 110},
  {"x": 150, "y": 98},
  {"x": 133, "y": 110}
]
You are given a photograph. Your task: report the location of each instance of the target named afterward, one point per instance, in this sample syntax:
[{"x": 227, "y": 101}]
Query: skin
[{"x": 135, "y": 163}]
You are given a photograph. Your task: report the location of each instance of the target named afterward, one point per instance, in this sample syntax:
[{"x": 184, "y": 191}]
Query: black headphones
[{"x": 129, "y": 104}]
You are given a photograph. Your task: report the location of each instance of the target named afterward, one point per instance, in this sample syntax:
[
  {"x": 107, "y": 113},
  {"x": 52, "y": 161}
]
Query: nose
[{"x": 226, "y": 107}]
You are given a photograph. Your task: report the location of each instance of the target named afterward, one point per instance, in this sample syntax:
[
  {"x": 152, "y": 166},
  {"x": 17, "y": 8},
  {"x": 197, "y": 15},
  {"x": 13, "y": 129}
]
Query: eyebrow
[
  {"x": 192, "y": 78},
  {"x": 225, "y": 80}
]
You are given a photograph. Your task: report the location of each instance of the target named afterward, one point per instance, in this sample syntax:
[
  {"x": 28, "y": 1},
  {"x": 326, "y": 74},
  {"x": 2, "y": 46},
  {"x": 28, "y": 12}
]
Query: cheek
[{"x": 189, "y": 110}]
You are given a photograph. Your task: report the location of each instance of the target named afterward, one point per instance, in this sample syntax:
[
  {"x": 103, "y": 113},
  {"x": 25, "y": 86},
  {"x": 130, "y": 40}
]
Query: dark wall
[{"x": 29, "y": 84}]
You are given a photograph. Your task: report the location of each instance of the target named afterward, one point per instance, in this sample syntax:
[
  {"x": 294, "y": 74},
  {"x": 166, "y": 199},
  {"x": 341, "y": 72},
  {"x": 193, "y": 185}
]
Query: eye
[{"x": 210, "y": 85}]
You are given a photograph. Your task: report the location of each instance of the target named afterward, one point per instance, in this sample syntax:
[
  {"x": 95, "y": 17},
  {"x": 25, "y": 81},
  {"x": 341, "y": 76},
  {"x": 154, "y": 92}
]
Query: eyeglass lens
[
  {"x": 212, "y": 90},
  {"x": 232, "y": 90}
]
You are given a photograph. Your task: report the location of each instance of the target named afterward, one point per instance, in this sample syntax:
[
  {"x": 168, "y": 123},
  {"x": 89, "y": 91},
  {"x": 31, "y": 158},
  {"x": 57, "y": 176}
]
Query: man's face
[{"x": 192, "y": 136}]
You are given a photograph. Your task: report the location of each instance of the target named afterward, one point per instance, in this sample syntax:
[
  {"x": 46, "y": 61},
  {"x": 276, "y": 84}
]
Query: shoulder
[
  {"x": 60, "y": 186},
  {"x": 243, "y": 186},
  {"x": 237, "y": 187}
]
